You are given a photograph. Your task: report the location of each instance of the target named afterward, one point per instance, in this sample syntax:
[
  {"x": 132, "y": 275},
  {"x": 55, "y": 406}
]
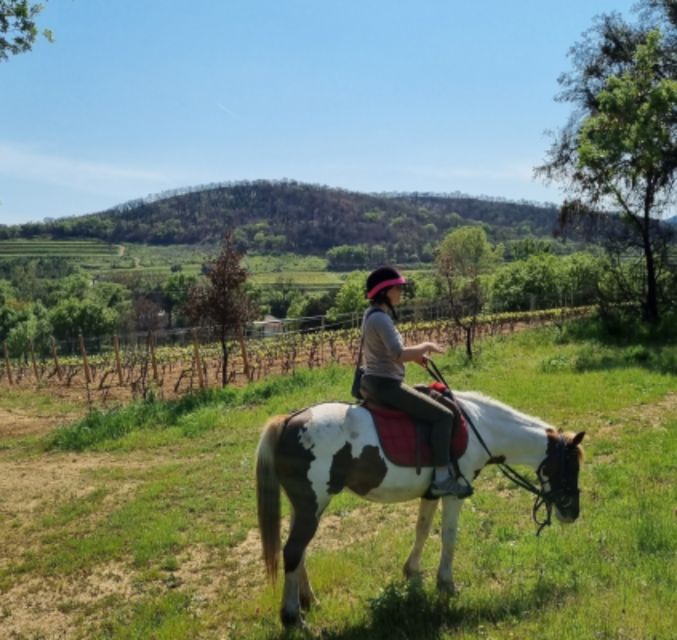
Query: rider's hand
[
  {"x": 433, "y": 346},
  {"x": 423, "y": 360}
]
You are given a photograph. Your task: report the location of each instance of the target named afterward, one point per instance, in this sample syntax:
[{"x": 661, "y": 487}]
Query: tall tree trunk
[
  {"x": 468, "y": 340},
  {"x": 651, "y": 303},
  {"x": 651, "y": 314},
  {"x": 224, "y": 371}
]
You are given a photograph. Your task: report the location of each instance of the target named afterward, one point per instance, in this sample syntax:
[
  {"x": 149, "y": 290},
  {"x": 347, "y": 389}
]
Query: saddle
[{"x": 406, "y": 442}]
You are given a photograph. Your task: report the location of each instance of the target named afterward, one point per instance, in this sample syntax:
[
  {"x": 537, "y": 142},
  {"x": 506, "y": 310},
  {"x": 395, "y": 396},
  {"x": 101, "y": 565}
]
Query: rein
[{"x": 543, "y": 498}]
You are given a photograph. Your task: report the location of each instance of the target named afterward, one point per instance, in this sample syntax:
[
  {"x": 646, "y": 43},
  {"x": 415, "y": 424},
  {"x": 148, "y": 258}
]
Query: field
[
  {"x": 140, "y": 523},
  {"x": 308, "y": 273},
  {"x": 77, "y": 249}
]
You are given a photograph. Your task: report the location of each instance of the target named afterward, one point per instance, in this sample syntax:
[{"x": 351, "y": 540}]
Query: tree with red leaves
[{"x": 222, "y": 301}]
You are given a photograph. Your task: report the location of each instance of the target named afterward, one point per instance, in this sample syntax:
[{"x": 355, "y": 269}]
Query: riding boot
[
  {"x": 451, "y": 486},
  {"x": 457, "y": 484},
  {"x": 460, "y": 478}
]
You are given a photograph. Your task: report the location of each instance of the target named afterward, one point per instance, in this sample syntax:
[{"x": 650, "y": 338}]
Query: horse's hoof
[
  {"x": 411, "y": 574},
  {"x": 309, "y": 601},
  {"x": 446, "y": 588},
  {"x": 291, "y": 619}
]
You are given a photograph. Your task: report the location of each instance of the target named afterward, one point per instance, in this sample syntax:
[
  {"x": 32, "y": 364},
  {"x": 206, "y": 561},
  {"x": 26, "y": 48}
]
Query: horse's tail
[{"x": 268, "y": 494}]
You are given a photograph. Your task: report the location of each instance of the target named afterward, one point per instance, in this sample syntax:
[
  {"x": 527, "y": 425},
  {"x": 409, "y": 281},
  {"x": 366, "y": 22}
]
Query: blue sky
[{"x": 137, "y": 97}]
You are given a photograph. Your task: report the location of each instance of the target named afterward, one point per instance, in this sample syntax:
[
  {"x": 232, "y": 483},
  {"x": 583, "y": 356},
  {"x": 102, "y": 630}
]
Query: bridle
[{"x": 544, "y": 498}]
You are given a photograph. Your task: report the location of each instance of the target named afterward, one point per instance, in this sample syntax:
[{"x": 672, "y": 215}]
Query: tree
[
  {"x": 175, "y": 292},
  {"x": 73, "y": 316},
  {"x": 463, "y": 256},
  {"x": 8, "y": 314},
  {"x": 619, "y": 150},
  {"x": 146, "y": 314},
  {"x": 522, "y": 249},
  {"x": 351, "y": 297},
  {"x": 18, "y": 29},
  {"x": 223, "y": 300},
  {"x": 311, "y": 307},
  {"x": 32, "y": 330},
  {"x": 348, "y": 257},
  {"x": 281, "y": 296}
]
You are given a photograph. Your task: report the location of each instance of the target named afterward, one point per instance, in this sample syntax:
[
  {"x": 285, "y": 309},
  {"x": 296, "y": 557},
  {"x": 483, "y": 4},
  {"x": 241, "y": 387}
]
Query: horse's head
[{"x": 559, "y": 474}]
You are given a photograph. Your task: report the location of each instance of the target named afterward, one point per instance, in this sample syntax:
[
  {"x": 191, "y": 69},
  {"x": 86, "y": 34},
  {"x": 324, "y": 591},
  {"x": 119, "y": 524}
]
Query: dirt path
[
  {"x": 15, "y": 423},
  {"x": 53, "y": 606}
]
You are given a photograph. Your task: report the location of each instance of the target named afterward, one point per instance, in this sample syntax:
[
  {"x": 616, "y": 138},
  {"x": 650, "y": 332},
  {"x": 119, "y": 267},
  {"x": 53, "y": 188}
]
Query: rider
[{"x": 383, "y": 380}]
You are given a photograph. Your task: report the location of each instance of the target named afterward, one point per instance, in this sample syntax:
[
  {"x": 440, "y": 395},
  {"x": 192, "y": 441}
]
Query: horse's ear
[{"x": 578, "y": 438}]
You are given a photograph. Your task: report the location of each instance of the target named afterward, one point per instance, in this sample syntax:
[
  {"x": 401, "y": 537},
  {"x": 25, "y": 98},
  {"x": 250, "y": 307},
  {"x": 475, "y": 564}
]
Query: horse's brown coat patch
[
  {"x": 292, "y": 464},
  {"x": 361, "y": 474},
  {"x": 561, "y": 467}
]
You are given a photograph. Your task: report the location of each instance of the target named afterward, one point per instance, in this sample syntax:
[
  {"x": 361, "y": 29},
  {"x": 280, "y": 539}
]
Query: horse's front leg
[
  {"x": 426, "y": 513},
  {"x": 451, "y": 508}
]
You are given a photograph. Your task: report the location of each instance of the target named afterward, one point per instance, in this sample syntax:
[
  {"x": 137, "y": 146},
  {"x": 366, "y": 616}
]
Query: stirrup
[{"x": 451, "y": 486}]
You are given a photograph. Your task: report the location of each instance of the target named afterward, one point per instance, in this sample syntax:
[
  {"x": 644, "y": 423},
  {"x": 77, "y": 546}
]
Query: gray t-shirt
[{"x": 382, "y": 345}]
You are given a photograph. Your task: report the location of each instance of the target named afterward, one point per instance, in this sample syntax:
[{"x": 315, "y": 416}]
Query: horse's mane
[{"x": 502, "y": 409}]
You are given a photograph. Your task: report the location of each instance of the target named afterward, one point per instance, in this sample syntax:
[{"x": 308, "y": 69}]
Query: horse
[{"x": 316, "y": 453}]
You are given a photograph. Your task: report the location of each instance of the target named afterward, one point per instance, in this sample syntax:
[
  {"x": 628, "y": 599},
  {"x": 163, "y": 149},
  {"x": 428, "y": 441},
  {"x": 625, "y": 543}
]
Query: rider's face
[{"x": 394, "y": 294}]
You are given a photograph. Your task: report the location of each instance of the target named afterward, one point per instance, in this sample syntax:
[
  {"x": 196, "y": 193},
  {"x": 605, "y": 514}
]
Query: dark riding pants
[{"x": 398, "y": 395}]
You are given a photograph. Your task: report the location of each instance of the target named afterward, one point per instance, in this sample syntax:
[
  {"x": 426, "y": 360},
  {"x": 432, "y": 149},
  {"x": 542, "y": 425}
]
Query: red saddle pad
[{"x": 397, "y": 433}]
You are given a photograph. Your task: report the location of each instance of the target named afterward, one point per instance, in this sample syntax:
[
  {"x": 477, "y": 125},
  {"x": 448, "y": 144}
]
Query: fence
[{"x": 171, "y": 363}]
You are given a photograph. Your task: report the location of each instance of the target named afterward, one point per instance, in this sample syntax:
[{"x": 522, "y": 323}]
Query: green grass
[
  {"x": 163, "y": 617},
  {"x": 41, "y": 402},
  {"x": 302, "y": 279},
  {"x": 188, "y": 416},
  {"x": 182, "y": 482}
]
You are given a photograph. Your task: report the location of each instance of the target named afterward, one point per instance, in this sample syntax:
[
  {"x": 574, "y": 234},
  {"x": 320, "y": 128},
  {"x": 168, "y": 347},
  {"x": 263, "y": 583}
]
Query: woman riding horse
[
  {"x": 383, "y": 380},
  {"x": 316, "y": 453}
]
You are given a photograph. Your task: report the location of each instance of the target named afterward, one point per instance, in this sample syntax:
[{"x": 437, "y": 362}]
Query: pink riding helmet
[{"x": 381, "y": 279}]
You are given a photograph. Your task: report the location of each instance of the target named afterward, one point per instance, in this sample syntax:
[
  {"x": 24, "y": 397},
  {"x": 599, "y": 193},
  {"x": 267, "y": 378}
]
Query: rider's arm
[{"x": 416, "y": 353}]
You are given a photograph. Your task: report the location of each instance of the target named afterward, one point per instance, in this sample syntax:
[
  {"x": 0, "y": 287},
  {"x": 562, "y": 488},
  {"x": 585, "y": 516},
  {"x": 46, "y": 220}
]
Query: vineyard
[
  {"x": 169, "y": 364},
  {"x": 80, "y": 249}
]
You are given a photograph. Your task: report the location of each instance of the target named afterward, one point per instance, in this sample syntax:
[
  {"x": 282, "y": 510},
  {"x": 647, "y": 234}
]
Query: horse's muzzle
[{"x": 567, "y": 509}]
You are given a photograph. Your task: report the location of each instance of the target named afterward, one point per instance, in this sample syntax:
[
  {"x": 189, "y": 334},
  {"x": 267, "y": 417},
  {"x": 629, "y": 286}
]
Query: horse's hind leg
[
  {"x": 307, "y": 596},
  {"x": 426, "y": 512},
  {"x": 296, "y": 584}
]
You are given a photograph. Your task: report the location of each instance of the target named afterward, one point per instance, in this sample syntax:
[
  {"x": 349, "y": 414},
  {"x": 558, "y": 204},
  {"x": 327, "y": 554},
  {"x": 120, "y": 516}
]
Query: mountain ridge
[{"x": 299, "y": 217}]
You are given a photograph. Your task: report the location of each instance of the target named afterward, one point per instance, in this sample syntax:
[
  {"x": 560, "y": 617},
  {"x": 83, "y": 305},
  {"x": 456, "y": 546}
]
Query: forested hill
[{"x": 302, "y": 218}]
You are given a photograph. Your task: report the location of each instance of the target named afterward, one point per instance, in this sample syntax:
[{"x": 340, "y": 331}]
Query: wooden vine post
[
  {"x": 34, "y": 363},
  {"x": 116, "y": 349},
  {"x": 56, "y": 360},
  {"x": 197, "y": 361},
  {"x": 85, "y": 362},
  {"x": 153, "y": 359},
  {"x": 243, "y": 349},
  {"x": 7, "y": 364}
]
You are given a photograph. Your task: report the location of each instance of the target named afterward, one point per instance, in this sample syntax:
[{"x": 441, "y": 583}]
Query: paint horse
[{"x": 316, "y": 453}]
